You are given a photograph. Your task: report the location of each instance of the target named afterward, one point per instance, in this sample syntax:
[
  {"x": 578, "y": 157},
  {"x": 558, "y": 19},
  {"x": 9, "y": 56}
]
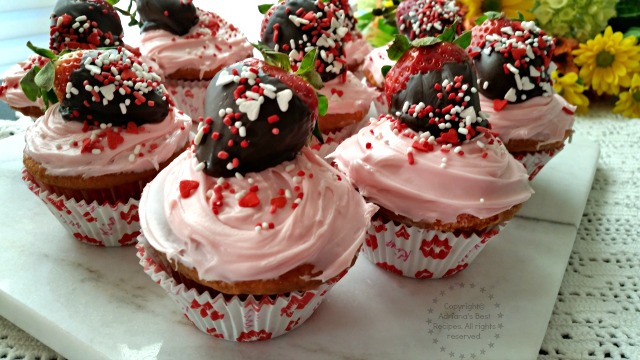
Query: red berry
[
  {"x": 421, "y": 60},
  {"x": 489, "y": 26}
]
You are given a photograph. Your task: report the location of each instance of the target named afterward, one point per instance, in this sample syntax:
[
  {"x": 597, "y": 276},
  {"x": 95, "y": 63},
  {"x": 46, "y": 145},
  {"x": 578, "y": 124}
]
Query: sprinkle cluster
[
  {"x": 97, "y": 26},
  {"x": 428, "y": 18},
  {"x": 116, "y": 72},
  {"x": 208, "y": 26},
  {"x": 322, "y": 27},
  {"x": 453, "y": 123},
  {"x": 423, "y": 141},
  {"x": 525, "y": 52},
  {"x": 245, "y": 193}
]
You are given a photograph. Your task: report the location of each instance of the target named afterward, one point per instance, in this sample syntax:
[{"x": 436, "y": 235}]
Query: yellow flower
[
  {"x": 629, "y": 102},
  {"x": 607, "y": 61},
  {"x": 571, "y": 90},
  {"x": 510, "y": 8}
]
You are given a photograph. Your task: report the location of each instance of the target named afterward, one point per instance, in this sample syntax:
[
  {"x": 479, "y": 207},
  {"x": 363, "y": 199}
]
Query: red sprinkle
[
  {"x": 187, "y": 187},
  {"x": 250, "y": 200}
]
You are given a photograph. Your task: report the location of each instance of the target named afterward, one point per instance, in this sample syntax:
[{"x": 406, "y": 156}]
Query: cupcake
[
  {"x": 513, "y": 65},
  {"x": 249, "y": 229},
  {"x": 90, "y": 155},
  {"x": 75, "y": 24},
  {"x": 11, "y": 92},
  {"x": 444, "y": 183},
  {"x": 187, "y": 46},
  {"x": 294, "y": 27}
]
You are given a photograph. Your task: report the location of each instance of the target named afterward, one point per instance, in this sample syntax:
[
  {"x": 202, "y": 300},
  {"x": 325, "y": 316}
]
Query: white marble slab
[
  {"x": 563, "y": 185},
  {"x": 87, "y": 302}
]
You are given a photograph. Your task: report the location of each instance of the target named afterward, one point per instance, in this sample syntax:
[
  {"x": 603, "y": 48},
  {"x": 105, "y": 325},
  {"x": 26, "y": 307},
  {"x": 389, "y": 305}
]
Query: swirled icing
[
  {"x": 320, "y": 220},
  {"x": 542, "y": 118},
  {"x": 210, "y": 44},
  {"x": 57, "y": 145},
  {"x": 349, "y": 96},
  {"x": 431, "y": 185}
]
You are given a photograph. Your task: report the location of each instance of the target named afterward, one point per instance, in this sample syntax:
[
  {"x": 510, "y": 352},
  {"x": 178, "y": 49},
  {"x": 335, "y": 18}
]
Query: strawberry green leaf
[
  {"x": 520, "y": 16},
  {"x": 428, "y": 41},
  {"x": 385, "y": 69},
  {"x": 449, "y": 33},
  {"x": 28, "y": 84},
  {"x": 42, "y": 52},
  {"x": 264, "y": 8},
  {"x": 113, "y": 2},
  {"x": 489, "y": 15},
  {"x": 274, "y": 58},
  {"x": 323, "y": 104},
  {"x": 464, "y": 40},
  {"x": 44, "y": 78},
  {"x": 398, "y": 47},
  {"x": 307, "y": 70}
]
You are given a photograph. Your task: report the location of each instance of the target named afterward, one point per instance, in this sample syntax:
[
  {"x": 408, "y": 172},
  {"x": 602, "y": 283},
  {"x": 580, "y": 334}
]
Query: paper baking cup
[
  {"x": 188, "y": 96},
  {"x": 229, "y": 317},
  {"x": 421, "y": 253},
  {"x": 534, "y": 161},
  {"x": 100, "y": 225}
]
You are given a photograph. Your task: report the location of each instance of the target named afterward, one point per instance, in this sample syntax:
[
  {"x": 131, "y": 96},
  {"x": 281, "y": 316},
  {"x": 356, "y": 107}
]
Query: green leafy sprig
[
  {"x": 264, "y": 8},
  {"x": 378, "y": 25}
]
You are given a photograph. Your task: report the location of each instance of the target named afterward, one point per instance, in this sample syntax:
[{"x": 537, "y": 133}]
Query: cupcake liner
[
  {"x": 231, "y": 317},
  {"x": 188, "y": 96},
  {"x": 534, "y": 161},
  {"x": 422, "y": 253},
  {"x": 101, "y": 225}
]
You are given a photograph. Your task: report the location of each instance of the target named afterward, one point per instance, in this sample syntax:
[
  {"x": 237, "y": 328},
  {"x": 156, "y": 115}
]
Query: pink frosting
[
  {"x": 356, "y": 50},
  {"x": 325, "y": 228},
  {"x": 50, "y": 142},
  {"x": 11, "y": 92},
  {"x": 543, "y": 118},
  {"x": 198, "y": 49},
  {"x": 349, "y": 96},
  {"x": 438, "y": 185},
  {"x": 374, "y": 62}
]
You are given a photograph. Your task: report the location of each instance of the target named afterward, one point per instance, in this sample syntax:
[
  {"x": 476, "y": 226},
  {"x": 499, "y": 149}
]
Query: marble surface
[{"x": 88, "y": 302}]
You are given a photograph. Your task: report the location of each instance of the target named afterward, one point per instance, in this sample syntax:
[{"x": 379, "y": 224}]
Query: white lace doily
[{"x": 597, "y": 313}]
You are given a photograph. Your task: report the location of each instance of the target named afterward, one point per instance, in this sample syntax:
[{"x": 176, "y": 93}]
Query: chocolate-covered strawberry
[
  {"x": 512, "y": 60},
  {"x": 432, "y": 90},
  {"x": 294, "y": 27},
  {"x": 108, "y": 86},
  {"x": 84, "y": 24},
  {"x": 174, "y": 16},
  {"x": 422, "y": 18},
  {"x": 256, "y": 116}
]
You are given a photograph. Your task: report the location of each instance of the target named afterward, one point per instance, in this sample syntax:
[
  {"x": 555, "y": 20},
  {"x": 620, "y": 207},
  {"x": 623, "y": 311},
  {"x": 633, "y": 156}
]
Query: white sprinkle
[
  {"x": 480, "y": 144},
  {"x": 287, "y": 194},
  {"x": 209, "y": 193},
  {"x": 289, "y": 167},
  {"x": 96, "y": 151},
  {"x": 513, "y": 69},
  {"x": 485, "y": 85},
  {"x": 463, "y": 131},
  {"x": 457, "y": 149},
  {"x": 511, "y": 95},
  {"x": 136, "y": 150},
  {"x": 220, "y": 181},
  {"x": 199, "y": 167},
  {"x": 221, "y": 113},
  {"x": 229, "y": 166},
  {"x": 242, "y": 131},
  {"x": 123, "y": 108},
  {"x": 239, "y": 176},
  {"x": 131, "y": 157},
  {"x": 258, "y": 228},
  {"x": 482, "y": 200},
  {"x": 198, "y": 137}
]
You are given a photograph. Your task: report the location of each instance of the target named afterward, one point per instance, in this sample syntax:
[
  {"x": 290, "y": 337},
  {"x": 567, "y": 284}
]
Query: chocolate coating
[
  {"x": 174, "y": 16},
  {"x": 420, "y": 88},
  {"x": 74, "y": 106},
  {"x": 263, "y": 148},
  {"x": 280, "y": 31},
  {"x": 491, "y": 67},
  {"x": 104, "y": 26}
]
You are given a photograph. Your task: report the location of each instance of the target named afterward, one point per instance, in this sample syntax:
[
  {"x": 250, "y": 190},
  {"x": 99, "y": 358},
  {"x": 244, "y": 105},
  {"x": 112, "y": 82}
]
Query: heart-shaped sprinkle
[
  {"x": 283, "y": 98},
  {"x": 114, "y": 139},
  {"x": 251, "y": 108},
  {"x": 250, "y": 200},
  {"x": 499, "y": 104},
  {"x": 224, "y": 78},
  {"x": 187, "y": 187}
]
